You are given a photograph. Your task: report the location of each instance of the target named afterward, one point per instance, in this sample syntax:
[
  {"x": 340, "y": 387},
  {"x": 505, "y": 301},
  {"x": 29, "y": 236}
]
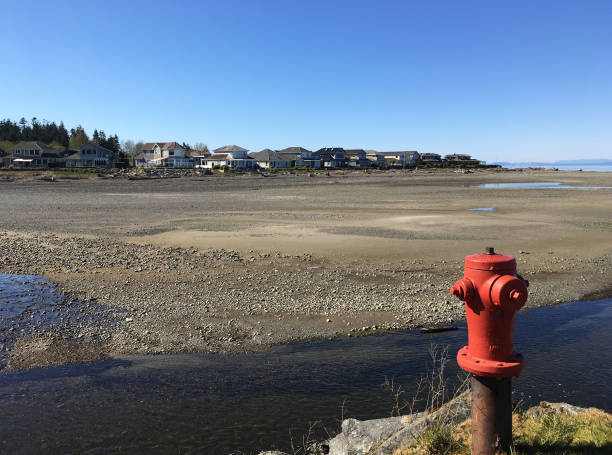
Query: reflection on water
[
  {"x": 29, "y": 304},
  {"x": 540, "y": 185},
  {"x": 198, "y": 403}
]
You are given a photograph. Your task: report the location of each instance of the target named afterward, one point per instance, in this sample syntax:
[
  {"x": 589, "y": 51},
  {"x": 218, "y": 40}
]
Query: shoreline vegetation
[
  {"x": 436, "y": 420},
  {"x": 228, "y": 265},
  {"x": 558, "y": 428}
]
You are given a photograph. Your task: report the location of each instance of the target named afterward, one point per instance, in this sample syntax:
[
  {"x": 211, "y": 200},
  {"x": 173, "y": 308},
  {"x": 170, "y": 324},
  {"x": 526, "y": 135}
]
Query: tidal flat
[{"x": 228, "y": 264}]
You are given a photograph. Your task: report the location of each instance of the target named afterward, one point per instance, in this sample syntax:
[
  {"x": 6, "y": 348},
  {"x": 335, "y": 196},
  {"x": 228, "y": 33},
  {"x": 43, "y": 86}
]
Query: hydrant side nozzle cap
[{"x": 491, "y": 262}]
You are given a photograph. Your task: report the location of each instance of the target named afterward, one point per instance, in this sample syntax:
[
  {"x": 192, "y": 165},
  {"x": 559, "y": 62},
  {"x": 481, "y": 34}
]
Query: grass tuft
[
  {"x": 584, "y": 433},
  {"x": 438, "y": 440}
]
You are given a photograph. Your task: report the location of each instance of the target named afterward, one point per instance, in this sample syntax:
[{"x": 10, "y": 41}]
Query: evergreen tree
[
  {"x": 52, "y": 134},
  {"x": 62, "y": 135},
  {"x": 36, "y": 129},
  {"x": 25, "y": 132},
  {"x": 113, "y": 144}
]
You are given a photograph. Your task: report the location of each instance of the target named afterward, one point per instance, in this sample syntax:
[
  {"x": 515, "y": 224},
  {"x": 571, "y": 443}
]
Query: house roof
[
  {"x": 268, "y": 155},
  {"x": 98, "y": 147},
  {"x": 461, "y": 156},
  {"x": 430, "y": 156},
  {"x": 171, "y": 145},
  {"x": 294, "y": 150},
  {"x": 331, "y": 149},
  {"x": 354, "y": 152},
  {"x": 399, "y": 152},
  {"x": 218, "y": 157},
  {"x": 150, "y": 145},
  {"x": 327, "y": 153},
  {"x": 29, "y": 145},
  {"x": 290, "y": 156},
  {"x": 161, "y": 145},
  {"x": 230, "y": 148},
  {"x": 197, "y": 153}
]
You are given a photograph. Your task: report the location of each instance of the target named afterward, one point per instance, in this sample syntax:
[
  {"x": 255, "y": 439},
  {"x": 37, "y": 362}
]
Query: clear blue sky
[{"x": 501, "y": 80}]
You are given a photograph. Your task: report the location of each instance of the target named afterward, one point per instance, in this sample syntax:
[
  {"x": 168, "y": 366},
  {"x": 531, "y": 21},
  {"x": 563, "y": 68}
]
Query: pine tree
[
  {"x": 113, "y": 144},
  {"x": 63, "y": 137}
]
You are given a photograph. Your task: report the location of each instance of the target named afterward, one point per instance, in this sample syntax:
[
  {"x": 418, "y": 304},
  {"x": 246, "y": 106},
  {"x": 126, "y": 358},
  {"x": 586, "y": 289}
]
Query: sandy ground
[{"x": 227, "y": 264}]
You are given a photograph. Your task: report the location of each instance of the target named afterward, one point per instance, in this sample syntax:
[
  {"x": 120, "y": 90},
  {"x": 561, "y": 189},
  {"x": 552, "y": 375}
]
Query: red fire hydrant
[{"x": 493, "y": 292}]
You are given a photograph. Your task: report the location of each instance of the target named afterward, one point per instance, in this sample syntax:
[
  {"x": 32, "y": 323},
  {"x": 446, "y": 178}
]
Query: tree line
[{"x": 55, "y": 135}]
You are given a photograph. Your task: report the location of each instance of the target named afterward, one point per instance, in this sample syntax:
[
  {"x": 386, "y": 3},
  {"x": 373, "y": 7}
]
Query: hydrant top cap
[{"x": 492, "y": 262}]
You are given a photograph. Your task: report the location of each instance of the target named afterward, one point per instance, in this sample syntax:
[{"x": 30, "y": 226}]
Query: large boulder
[{"x": 384, "y": 436}]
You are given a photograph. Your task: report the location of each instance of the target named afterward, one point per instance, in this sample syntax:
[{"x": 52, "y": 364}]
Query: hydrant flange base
[{"x": 490, "y": 368}]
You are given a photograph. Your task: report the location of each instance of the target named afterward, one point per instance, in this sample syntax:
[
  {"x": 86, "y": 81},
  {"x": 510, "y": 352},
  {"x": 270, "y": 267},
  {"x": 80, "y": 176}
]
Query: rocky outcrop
[
  {"x": 384, "y": 436},
  {"x": 553, "y": 408}
]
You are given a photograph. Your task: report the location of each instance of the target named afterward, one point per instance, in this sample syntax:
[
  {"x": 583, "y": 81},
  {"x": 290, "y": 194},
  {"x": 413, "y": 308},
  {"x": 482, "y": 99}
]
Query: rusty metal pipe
[{"x": 491, "y": 415}]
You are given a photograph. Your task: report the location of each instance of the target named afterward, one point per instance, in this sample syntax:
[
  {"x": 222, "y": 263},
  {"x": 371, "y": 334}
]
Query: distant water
[
  {"x": 563, "y": 167},
  {"x": 537, "y": 185}
]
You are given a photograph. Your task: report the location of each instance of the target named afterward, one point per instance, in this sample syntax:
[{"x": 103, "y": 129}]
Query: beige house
[
  {"x": 267, "y": 159},
  {"x": 33, "y": 155},
  {"x": 401, "y": 158},
  {"x": 162, "y": 154}
]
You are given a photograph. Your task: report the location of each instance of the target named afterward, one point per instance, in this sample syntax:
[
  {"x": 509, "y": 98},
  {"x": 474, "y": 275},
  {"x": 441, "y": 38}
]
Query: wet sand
[{"x": 235, "y": 263}]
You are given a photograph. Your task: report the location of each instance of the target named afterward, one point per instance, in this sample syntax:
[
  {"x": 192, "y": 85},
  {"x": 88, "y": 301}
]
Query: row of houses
[
  {"x": 173, "y": 155},
  {"x": 36, "y": 155}
]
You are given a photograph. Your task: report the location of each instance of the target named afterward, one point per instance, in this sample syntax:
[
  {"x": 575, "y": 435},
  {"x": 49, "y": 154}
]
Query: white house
[
  {"x": 162, "y": 154},
  {"x": 230, "y": 155}
]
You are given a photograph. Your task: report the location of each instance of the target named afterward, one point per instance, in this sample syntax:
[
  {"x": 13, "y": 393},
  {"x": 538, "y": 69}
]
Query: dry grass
[{"x": 586, "y": 433}]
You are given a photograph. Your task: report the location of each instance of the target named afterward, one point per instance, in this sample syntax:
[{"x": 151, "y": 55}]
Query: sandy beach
[{"x": 238, "y": 263}]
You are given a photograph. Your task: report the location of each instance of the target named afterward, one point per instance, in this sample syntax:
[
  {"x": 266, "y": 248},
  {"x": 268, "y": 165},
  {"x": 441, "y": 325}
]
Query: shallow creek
[{"x": 212, "y": 404}]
